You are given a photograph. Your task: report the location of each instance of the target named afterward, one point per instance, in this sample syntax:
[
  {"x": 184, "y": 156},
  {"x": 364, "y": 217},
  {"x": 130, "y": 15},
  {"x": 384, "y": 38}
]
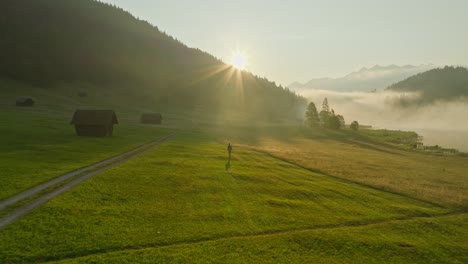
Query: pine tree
[
  {"x": 342, "y": 121},
  {"x": 333, "y": 122},
  {"x": 355, "y": 125},
  {"x": 311, "y": 115},
  {"x": 325, "y": 113},
  {"x": 325, "y": 107}
]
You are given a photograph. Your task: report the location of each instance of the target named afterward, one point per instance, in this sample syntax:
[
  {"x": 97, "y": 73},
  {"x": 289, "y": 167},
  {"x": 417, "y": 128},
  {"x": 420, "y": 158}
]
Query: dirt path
[{"x": 87, "y": 172}]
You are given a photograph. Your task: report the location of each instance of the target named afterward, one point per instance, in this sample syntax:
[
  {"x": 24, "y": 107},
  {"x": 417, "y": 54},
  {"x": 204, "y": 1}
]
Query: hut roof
[
  {"x": 152, "y": 114},
  {"x": 24, "y": 99},
  {"x": 94, "y": 117}
]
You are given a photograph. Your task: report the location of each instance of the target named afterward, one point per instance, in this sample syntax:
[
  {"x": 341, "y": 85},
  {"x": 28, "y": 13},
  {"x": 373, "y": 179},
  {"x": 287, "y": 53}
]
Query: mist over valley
[
  {"x": 433, "y": 103},
  {"x": 439, "y": 123}
]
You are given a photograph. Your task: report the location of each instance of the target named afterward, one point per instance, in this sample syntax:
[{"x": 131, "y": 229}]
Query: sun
[{"x": 238, "y": 60}]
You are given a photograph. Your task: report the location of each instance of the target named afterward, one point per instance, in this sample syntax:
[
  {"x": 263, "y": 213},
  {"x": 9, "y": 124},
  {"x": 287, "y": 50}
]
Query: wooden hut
[
  {"x": 24, "y": 101},
  {"x": 82, "y": 94},
  {"x": 151, "y": 118},
  {"x": 94, "y": 123}
]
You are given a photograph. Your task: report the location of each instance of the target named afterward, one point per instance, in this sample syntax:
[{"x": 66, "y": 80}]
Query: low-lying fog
[{"x": 442, "y": 123}]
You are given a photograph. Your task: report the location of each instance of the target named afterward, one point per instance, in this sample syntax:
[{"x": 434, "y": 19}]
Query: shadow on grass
[{"x": 227, "y": 166}]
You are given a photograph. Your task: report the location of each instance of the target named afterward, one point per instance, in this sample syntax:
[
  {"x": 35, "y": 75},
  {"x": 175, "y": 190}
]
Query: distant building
[
  {"x": 151, "y": 118},
  {"x": 82, "y": 94},
  {"x": 420, "y": 145},
  {"x": 24, "y": 101},
  {"x": 94, "y": 123}
]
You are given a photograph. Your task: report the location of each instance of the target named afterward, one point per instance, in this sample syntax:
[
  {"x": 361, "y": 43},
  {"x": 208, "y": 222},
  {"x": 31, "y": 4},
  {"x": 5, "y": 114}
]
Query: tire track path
[{"x": 87, "y": 172}]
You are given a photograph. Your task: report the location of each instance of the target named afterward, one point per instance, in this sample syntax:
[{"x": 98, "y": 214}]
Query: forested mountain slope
[
  {"x": 446, "y": 84},
  {"x": 50, "y": 42}
]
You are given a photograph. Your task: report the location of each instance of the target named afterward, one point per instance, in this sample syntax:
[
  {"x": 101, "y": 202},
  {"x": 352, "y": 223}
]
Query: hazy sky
[{"x": 297, "y": 40}]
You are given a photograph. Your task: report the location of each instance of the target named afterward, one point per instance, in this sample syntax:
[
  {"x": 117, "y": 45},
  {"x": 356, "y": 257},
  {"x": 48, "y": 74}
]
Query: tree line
[
  {"x": 448, "y": 83},
  {"x": 326, "y": 117}
]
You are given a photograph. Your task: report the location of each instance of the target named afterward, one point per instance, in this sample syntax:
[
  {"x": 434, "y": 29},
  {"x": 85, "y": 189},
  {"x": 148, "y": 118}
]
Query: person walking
[{"x": 229, "y": 149}]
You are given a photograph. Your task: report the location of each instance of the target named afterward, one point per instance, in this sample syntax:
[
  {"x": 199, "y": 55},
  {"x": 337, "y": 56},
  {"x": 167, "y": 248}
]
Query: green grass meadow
[
  {"x": 392, "y": 242},
  {"x": 290, "y": 195},
  {"x": 369, "y": 157},
  {"x": 38, "y": 143},
  {"x": 180, "y": 195},
  {"x": 35, "y": 148}
]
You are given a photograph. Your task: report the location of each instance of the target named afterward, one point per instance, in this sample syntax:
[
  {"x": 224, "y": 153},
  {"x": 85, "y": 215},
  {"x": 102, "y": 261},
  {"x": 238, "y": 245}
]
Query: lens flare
[{"x": 238, "y": 60}]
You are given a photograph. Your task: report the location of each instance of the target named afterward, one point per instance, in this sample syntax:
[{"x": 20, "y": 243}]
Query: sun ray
[
  {"x": 227, "y": 76},
  {"x": 208, "y": 72},
  {"x": 239, "y": 87}
]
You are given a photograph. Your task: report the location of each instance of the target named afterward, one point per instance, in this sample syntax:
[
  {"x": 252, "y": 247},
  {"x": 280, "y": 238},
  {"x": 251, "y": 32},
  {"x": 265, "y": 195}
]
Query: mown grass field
[
  {"x": 393, "y": 242},
  {"x": 179, "y": 198},
  {"x": 38, "y": 143},
  {"x": 37, "y": 148},
  {"x": 366, "y": 157},
  {"x": 292, "y": 195}
]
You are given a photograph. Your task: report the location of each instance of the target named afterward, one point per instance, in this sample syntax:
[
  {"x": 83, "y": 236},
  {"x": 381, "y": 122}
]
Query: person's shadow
[{"x": 228, "y": 163}]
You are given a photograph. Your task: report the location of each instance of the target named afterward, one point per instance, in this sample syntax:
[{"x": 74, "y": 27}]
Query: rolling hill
[
  {"x": 443, "y": 84},
  {"x": 364, "y": 80},
  {"x": 91, "y": 45}
]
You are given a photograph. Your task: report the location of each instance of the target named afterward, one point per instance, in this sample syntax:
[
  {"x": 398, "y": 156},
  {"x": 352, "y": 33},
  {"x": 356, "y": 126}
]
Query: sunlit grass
[
  {"x": 364, "y": 158},
  {"x": 180, "y": 192},
  {"x": 426, "y": 240},
  {"x": 36, "y": 147},
  {"x": 178, "y": 204}
]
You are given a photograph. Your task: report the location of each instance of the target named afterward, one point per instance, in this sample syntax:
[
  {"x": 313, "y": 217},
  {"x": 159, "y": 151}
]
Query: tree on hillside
[
  {"x": 323, "y": 117},
  {"x": 311, "y": 115},
  {"x": 448, "y": 83},
  {"x": 342, "y": 121},
  {"x": 333, "y": 122},
  {"x": 354, "y": 125},
  {"x": 328, "y": 118},
  {"x": 325, "y": 113},
  {"x": 325, "y": 107}
]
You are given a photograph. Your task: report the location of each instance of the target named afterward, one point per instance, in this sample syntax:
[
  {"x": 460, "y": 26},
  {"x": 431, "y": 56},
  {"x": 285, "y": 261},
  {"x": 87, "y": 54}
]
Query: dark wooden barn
[
  {"x": 94, "y": 123},
  {"x": 151, "y": 118},
  {"x": 82, "y": 94},
  {"x": 24, "y": 101}
]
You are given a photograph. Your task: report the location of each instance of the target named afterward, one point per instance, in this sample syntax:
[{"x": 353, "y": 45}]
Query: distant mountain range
[
  {"x": 364, "y": 80},
  {"x": 441, "y": 84}
]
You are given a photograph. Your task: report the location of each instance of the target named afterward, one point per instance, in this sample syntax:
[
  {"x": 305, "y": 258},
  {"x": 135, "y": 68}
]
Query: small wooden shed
[
  {"x": 151, "y": 118},
  {"x": 94, "y": 123},
  {"x": 82, "y": 94},
  {"x": 24, "y": 101}
]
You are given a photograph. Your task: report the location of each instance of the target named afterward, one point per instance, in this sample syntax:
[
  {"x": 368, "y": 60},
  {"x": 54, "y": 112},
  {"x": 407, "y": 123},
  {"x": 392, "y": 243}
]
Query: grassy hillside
[
  {"x": 39, "y": 144},
  {"x": 180, "y": 194},
  {"x": 292, "y": 194},
  {"x": 39, "y": 150},
  {"x": 448, "y": 83},
  {"x": 377, "y": 158},
  {"x": 88, "y": 45},
  {"x": 177, "y": 203},
  {"x": 392, "y": 242}
]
